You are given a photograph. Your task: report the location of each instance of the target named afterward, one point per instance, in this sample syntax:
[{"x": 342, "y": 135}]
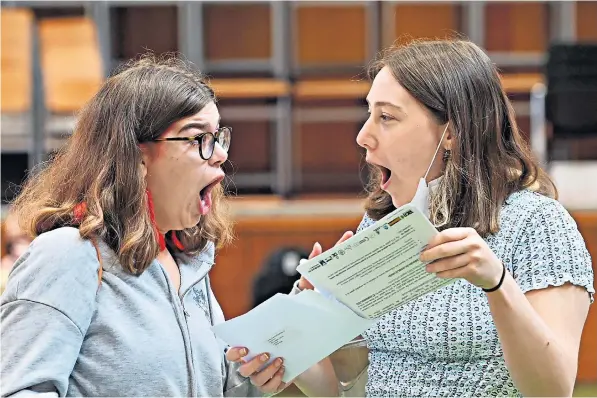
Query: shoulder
[
  {"x": 529, "y": 199},
  {"x": 525, "y": 208},
  {"x": 59, "y": 269},
  {"x": 64, "y": 251},
  {"x": 548, "y": 250},
  {"x": 366, "y": 221}
]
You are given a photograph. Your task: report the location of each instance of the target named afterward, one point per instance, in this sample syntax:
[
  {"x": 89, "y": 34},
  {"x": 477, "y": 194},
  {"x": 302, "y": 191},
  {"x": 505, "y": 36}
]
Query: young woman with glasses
[{"x": 113, "y": 298}]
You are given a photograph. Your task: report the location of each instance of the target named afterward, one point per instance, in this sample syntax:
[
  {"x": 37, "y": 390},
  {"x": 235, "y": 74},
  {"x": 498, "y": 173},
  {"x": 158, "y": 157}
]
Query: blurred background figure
[
  {"x": 277, "y": 274},
  {"x": 14, "y": 245},
  {"x": 289, "y": 80}
]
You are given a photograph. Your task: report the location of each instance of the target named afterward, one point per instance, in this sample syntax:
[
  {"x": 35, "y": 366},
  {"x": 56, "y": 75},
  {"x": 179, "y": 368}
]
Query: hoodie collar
[{"x": 193, "y": 268}]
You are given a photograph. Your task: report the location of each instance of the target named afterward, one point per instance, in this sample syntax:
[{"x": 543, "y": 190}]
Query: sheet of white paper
[
  {"x": 301, "y": 329},
  {"x": 378, "y": 269}
]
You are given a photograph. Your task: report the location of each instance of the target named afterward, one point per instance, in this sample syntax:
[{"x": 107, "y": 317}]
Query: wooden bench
[
  {"x": 250, "y": 88},
  {"x": 521, "y": 83},
  {"x": 330, "y": 89},
  {"x": 346, "y": 89},
  {"x": 17, "y": 79}
]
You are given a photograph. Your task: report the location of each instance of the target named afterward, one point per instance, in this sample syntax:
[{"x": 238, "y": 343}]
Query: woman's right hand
[
  {"x": 269, "y": 379},
  {"x": 317, "y": 250}
]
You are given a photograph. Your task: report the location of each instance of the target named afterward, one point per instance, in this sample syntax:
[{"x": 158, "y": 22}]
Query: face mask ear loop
[{"x": 436, "y": 151}]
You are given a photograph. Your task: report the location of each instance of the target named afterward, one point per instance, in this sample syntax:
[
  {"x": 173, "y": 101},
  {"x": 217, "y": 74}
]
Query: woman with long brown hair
[
  {"x": 112, "y": 298},
  {"x": 442, "y": 135}
]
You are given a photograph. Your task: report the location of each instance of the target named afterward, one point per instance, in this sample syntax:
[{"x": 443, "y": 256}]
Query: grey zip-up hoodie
[{"x": 135, "y": 336}]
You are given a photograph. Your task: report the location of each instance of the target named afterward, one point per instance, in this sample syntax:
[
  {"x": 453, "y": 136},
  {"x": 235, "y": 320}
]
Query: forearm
[
  {"x": 319, "y": 380},
  {"x": 538, "y": 362}
]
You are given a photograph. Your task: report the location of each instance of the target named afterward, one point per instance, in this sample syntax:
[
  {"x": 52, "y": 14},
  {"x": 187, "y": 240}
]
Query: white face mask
[{"x": 421, "y": 198}]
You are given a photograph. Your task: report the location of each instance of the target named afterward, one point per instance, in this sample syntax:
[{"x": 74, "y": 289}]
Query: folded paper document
[{"x": 364, "y": 278}]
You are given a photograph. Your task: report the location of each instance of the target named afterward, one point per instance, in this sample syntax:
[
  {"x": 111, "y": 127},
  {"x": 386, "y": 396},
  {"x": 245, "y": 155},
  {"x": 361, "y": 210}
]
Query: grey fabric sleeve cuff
[{"x": 295, "y": 289}]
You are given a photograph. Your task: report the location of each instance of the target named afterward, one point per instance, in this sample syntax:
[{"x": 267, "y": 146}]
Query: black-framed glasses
[{"x": 207, "y": 141}]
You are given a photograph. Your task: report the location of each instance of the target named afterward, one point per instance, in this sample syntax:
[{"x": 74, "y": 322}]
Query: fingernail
[
  {"x": 243, "y": 352},
  {"x": 278, "y": 361},
  {"x": 264, "y": 357},
  {"x": 282, "y": 369}
]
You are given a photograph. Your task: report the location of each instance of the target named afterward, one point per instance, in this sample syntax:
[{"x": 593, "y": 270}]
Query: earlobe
[
  {"x": 143, "y": 169},
  {"x": 449, "y": 137},
  {"x": 144, "y": 160}
]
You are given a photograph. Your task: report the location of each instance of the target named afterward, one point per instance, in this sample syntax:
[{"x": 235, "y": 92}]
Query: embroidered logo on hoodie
[{"x": 199, "y": 297}]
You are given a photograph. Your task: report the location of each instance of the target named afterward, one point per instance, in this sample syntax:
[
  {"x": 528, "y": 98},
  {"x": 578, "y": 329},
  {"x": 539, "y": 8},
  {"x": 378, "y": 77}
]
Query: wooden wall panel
[
  {"x": 250, "y": 148},
  {"x": 516, "y": 26},
  {"x": 330, "y": 35},
  {"x": 144, "y": 28},
  {"x": 16, "y": 57},
  {"x": 524, "y": 125},
  {"x": 586, "y": 20},
  {"x": 329, "y": 146},
  {"x": 3, "y": 240},
  {"x": 329, "y": 159},
  {"x": 426, "y": 21},
  {"x": 69, "y": 85},
  {"x": 237, "y": 31},
  {"x": 257, "y": 238}
]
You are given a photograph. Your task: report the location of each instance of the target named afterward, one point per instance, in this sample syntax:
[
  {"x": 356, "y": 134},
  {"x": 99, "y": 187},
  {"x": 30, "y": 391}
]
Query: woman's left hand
[{"x": 462, "y": 253}]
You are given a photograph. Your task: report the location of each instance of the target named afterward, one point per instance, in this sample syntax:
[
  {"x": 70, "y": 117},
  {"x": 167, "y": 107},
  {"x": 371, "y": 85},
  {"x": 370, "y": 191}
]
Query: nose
[
  {"x": 366, "y": 137},
  {"x": 219, "y": 156}
]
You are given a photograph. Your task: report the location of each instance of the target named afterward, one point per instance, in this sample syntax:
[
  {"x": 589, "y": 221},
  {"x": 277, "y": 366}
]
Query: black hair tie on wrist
[{"x": 493, "y": 289}]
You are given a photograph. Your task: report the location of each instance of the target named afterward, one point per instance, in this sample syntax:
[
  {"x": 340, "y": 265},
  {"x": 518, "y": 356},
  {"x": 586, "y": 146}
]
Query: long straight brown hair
[
  {"x": 457, "y": 83},
  {"x": 100, "y": 165}
]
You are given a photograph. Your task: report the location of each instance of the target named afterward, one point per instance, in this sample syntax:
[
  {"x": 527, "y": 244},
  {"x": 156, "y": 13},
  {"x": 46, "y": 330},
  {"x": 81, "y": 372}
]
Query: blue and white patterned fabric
[{"x": 445, "y": 343}]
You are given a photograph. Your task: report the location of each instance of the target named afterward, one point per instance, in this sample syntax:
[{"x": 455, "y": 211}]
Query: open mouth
[
  {"x": 205, "y": 195},
  {"x": 386, "y": 174}
]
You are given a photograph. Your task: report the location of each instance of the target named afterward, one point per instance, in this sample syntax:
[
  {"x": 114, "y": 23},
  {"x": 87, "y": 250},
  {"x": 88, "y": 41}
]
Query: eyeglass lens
[{"x": 208, "y": 142}]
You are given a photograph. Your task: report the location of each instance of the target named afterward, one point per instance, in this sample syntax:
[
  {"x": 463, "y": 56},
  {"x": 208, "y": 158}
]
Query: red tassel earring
[
  {"x": 161, "y": 239},
  {"x": 79, "y": 211},
  {"x": 177, "y": 241}
]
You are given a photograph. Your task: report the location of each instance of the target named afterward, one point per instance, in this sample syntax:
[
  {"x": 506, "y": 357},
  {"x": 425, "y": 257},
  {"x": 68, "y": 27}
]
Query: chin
[
  {"x": 193, "y": 223},
  {"x": 395, "y": 202}
]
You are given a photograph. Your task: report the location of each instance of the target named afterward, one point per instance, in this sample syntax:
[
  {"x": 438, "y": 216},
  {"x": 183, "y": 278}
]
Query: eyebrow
[
  {"x": 385, "y": 103},
  {"x": 196, "y": 125}
]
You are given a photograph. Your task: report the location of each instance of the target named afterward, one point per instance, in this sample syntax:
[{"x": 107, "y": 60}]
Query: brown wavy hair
[
  {"x": 457, "y": 83},
  {"x": 100, "y": 165}
]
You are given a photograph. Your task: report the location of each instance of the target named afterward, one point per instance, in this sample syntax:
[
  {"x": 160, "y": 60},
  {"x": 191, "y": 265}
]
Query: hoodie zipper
[
  {"x": 186, "y": 334},
  {"x": 189, "y": 346}
]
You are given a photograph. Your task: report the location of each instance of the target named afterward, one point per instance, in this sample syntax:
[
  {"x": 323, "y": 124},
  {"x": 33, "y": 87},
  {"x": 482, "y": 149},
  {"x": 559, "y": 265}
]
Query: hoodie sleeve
[
  {"x": 238, "y": 386},
  {"x": 45, "y": 312}
]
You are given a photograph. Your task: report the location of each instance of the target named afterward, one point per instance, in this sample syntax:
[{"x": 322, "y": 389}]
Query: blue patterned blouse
[{"x": 445, "y": 343}]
